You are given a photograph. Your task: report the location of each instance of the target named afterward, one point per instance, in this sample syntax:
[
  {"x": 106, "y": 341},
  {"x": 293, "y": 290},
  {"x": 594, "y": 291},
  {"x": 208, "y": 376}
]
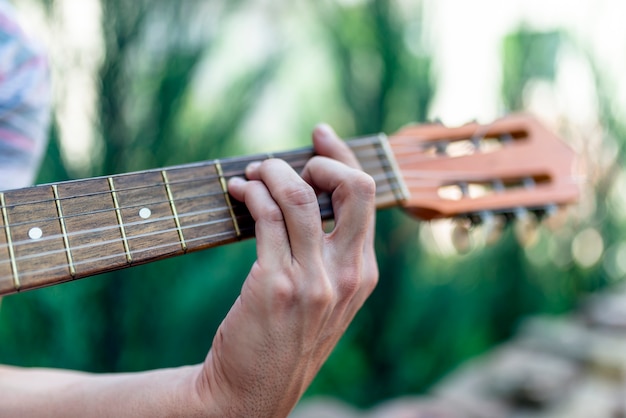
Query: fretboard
[{"x": 59, "y": 232}]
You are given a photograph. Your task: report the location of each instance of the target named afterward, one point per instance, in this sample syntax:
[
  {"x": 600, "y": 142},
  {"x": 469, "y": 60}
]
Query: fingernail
[
  {"x": 325, "y": 131},
  {"x": 252, "y": 168},
  {"x": 236, "y": 181}
]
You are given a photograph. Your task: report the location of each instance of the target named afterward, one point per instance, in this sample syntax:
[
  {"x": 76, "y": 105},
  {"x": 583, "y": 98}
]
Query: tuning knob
[
  {"x": 492, "y": 226},
  {"x": 555, "y": 217},
  {"x": 526, "y": 227},
  {"x": 461, "y": 235}
]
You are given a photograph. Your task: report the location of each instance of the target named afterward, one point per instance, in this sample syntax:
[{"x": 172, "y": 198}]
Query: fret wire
[
  {"x": 181, "y": 237},
  {"x": 5, "y": 217},
  {"x": 220, "y": 172},
  {"x": 118, "y": 213},
  {"x": 66, "y": 241}
]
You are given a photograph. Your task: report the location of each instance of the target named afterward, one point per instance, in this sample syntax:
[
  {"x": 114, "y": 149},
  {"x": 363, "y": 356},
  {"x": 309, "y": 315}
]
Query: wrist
[{"x": 205, "y": 394}]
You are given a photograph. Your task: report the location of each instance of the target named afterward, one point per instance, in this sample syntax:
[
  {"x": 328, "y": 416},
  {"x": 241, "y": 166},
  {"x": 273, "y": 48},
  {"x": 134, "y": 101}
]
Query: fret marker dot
[
  {"x": 35, "y": 233},
  {"x": 145, "y": 213}
]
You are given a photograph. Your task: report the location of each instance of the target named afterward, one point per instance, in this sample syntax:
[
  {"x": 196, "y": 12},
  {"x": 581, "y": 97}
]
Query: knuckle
[
  {"x": 371, "y": 276},
  {"x": 285, "y": 293},
  {"x": 358, "y": 276},
  {"x": 293, "y": 191},
  {"x": 301, "y": 195},
  {"x": 364, "y": 185},
  {"x": 350, "y": 284},
  {"x": 316, "y": 161},
  {"x": 322, "y": 295},
  {"x": 271, "y": 213},
  {"x": 350, "y": 281},
  {"x": 272, "y": 165}
]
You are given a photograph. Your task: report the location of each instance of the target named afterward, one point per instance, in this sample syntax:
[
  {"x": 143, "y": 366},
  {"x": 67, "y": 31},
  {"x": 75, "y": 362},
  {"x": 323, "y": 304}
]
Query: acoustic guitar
[{"x": 59, "y": 232}]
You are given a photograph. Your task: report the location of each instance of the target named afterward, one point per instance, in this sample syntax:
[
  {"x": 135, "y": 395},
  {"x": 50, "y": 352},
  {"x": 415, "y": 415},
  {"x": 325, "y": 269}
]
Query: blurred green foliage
[
  {"x": 529, "y": 55},
  {"x": 429, "y": 312}
]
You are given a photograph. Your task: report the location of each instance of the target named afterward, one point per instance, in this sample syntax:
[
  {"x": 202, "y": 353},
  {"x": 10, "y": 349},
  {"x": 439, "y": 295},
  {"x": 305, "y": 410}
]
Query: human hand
[{"x": 304, "y": 288}]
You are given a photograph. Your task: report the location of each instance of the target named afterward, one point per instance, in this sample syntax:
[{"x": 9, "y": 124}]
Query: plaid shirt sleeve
[{"x": 24, "y": 103}]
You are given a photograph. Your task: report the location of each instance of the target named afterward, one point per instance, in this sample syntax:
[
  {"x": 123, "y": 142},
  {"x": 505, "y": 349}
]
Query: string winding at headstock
[{"x": 506, "y": 167}]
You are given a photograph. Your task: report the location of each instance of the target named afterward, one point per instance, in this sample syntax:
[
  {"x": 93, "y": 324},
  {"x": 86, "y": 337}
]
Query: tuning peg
[
  {"x": 461, "y": 235},
  {"x": 441, "y": 147},
  {"x": 492, "y": 226},
  {"x": 487, "y": 226},
  {"x": 526, "y": 227},
  {"x": 436, "y": 121},
  {"x": 506, "y": 138},
  {"x": 554, "y": 217}
]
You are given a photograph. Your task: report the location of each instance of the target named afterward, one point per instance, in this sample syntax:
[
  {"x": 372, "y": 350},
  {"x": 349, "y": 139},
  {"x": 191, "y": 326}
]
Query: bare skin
[{"x": 298, "y": 299}]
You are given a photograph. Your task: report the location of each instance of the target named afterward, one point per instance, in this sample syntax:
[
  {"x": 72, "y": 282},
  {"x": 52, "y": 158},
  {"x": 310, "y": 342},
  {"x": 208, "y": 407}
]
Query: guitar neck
[{"x": 65, "y": 231}]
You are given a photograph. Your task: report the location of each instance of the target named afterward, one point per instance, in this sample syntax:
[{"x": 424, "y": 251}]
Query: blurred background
[{"x": 148, "y": 83}]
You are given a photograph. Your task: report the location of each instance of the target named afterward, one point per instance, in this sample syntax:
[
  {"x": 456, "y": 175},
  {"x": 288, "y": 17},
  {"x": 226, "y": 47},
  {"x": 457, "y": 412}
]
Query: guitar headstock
[{"x": 509, "y": 166}]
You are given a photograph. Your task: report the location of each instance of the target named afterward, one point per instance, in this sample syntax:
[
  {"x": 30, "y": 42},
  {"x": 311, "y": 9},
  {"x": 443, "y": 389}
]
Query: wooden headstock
[{"x": 506, "y": 166}]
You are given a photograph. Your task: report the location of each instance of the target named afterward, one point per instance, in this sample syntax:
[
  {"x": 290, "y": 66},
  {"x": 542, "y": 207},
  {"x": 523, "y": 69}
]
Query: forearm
[
  {"x": 302, "y": 292},
  {"x": 57, "y": 393}
]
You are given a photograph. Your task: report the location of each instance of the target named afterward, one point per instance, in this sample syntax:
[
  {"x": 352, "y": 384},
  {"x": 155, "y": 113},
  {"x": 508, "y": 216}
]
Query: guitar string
[
  {"x": 381, "y": 190},
  {"x": 291, "y": 155},
  {"x": 415, "y": 178},
  {"x": 325, "y": 211},
  {"x": 411, "y": 182},
  {"x": 412, "y": 178},
  {"x": 404, "y": 145},
  {"x": 379, "y": 178},
  {"x": 136, "y": 237},
  {"x": 115, "y": 227},
  {"x": 228, "y": 219},
  {"x": 122, "y": 254},
  {"x": 324, "y": 202},
  {"x": 117, "y": 255},
  {"x": 304, "y": 154},
  {"x": 325, "y": 208}
]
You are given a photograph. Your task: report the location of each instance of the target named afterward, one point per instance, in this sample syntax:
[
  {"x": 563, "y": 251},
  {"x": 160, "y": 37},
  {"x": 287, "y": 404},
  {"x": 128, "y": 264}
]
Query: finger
[
  {"x": 298, "y": 204},
  {"x": 353, "y": 194},
  {"x": 271, "y": 234},
  {"x": 327, "y": 143}
]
